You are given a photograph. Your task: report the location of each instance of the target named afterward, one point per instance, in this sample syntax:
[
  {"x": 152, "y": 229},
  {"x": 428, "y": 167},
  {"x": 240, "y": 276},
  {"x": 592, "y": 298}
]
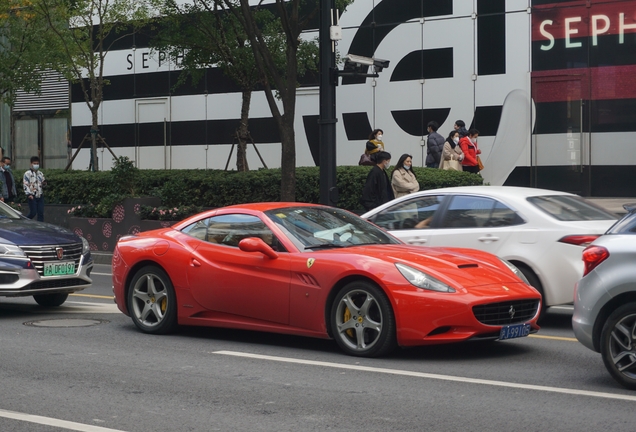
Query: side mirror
[{"x": 254, "y": 244}]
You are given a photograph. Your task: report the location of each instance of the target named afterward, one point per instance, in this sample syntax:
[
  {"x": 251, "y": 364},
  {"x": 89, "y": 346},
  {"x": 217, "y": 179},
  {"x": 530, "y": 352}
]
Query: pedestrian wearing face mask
[
  {"x": 468, "y": 145},
  {"x": 403, "y": 179},
  {"x": 452, "y": 154},
  {"x": 375, "y": 144},
  {"x": 377, "y": 189},
  {"x": 34, "y": 182}
]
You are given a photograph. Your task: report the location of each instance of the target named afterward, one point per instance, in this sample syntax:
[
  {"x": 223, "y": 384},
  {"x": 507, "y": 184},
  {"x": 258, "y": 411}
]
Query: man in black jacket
[
  {"x": 377, "y": 189},
  {"x": 434, "y": 145}
]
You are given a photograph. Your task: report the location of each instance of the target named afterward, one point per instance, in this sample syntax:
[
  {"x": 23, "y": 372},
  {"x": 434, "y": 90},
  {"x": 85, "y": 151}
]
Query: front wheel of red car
[
  {"x": 362, "y": 320},
  {"x": 618, "y": 345},
  {"x": 152, "y": 302}
]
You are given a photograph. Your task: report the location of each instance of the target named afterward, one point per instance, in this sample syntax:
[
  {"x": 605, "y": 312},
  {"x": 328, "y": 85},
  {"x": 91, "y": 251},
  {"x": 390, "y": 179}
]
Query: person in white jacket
[{"x": 403, "y": 181}]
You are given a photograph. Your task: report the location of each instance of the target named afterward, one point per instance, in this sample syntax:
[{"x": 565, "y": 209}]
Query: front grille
[
  {"x": 55, "y": 283},
  {"x": 505, "y": 313},
  {"x": 43, "y": 254}
]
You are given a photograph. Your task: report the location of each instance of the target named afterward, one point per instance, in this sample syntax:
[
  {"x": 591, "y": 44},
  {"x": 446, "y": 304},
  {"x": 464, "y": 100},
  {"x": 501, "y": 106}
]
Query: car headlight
[
  {"x": 11, "y": 251},
  {"x": 516, "y": 271},
  {"x": 85, "y": 246},
  {"x": 423, "y": 280}
]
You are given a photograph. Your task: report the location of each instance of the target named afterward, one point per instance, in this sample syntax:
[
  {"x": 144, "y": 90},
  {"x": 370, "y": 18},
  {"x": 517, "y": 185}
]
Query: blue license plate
[{"x": 514, "y": 331}]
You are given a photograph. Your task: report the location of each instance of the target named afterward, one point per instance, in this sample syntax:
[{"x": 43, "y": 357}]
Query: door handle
[
  {"x": 417, "y": 240},
  {"x": 195, "y": 263},
  {"x": 488, "y": 238}
]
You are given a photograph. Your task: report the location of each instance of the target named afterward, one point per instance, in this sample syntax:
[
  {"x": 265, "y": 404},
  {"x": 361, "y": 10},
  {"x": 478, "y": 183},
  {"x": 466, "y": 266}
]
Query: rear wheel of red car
[
  {"x": 152, "y": 302},
  {"x": 618, "y": 345},
  {"x": 362, "y": 320},
  {"x": 50, "y": 300}
]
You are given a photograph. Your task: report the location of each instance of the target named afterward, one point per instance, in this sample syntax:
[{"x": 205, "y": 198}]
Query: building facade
[{"x": 549, "y": 84}]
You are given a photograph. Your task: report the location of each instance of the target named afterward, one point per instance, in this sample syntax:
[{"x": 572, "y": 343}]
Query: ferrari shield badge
[{"x": 310, "y": 262}]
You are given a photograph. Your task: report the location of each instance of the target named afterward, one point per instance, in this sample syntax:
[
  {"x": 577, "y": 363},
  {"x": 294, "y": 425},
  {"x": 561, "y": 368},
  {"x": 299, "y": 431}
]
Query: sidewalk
[{"x": 613, "y": 205}]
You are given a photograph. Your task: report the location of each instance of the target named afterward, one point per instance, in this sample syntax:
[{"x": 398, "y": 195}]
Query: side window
[
  {"x": 415, "y": 213},
  {"x": 230, "y": 229},
  {"x": 503, "y": 216},
  {"x": 468, "y": 212},
  {"x": 198, "y": 229},
  {"x": 474, "y": 211}
]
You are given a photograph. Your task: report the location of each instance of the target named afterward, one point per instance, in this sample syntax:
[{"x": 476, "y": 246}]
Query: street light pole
[{"x": 327, "y": 120}]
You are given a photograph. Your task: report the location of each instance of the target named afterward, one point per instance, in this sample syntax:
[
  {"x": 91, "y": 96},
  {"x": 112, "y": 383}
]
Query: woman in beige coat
[
  {"x": 452, "y": 152},
  {"x": 403, "y": 180}
]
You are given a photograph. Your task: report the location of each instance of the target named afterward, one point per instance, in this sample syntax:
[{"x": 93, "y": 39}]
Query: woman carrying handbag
[{"x": 452, "y": 154}]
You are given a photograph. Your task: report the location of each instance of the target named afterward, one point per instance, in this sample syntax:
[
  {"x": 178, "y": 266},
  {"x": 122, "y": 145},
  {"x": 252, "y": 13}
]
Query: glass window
[
  {"x": 415, "y": 213},
  {"x": 570, "y": 208},
  {"x": 230, "y": 229},
  {"x": 502, "y": 216},
  {"x": 468, "y": 212},
  {"x": 198, "y": 229},
  {"x": 627, "y": 225},
  {"x": 311, "y": 228}
]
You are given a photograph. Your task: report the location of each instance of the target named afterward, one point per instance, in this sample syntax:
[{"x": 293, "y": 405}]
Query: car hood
[
  {"x": 455, "y": 266},
  {"x": 28, "y": 232}
]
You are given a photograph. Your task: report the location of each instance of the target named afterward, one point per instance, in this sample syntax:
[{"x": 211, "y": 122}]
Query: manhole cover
[{"x": 66, "y": 322}]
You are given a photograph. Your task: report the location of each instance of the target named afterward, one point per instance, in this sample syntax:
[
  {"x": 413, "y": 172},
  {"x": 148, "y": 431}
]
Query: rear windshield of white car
[
  {"x": 627, "y": 225},
  {"x": 570, "y": 208}
]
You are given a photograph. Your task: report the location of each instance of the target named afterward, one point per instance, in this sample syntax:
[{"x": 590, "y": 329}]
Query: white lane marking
[
  {"x": 564, "y": 307},
  {"x": 101, "y": 274},
  {"x": 432, "y": 376},
  {"x": 48, "y": 421},
  {"x": 86, "y": 307}
]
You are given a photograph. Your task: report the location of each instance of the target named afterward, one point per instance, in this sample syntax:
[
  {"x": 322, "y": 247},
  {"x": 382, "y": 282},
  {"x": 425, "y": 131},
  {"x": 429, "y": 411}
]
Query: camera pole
[{"x": 327, "y": 120}]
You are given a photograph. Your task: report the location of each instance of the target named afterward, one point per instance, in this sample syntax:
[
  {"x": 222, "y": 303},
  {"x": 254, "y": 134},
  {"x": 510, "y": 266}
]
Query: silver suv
[{"x": 604, "y": 317}]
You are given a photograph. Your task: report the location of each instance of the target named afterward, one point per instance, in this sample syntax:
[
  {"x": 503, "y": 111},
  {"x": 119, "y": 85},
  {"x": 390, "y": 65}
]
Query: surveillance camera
[
  {"x": 380, "y": 64},
  {"x": 359, "y": 60}
]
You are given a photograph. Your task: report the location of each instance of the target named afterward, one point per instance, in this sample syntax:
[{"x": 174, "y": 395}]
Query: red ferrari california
[{"x": 317, "y": 271}]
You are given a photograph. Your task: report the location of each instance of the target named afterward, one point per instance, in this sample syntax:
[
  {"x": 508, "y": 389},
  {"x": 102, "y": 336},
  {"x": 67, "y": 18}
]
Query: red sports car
[{"x": 317, "y": 271}]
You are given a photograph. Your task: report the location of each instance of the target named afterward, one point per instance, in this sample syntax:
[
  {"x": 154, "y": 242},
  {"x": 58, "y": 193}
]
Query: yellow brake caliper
[
  {"x": 346, "y": 317},
  {"x": 164, "y": 304}
]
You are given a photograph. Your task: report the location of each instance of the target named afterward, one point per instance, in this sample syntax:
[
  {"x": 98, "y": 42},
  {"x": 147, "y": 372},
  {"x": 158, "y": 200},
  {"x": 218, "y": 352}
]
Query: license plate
[
  {"x": 59, "y": 268},
  {"x": 514, "y": 331}
]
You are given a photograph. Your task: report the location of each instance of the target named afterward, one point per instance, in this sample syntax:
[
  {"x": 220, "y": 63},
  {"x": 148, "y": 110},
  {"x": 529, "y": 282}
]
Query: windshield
[
  {"x": 312, "y": 228},
  {"x": 570, "y": 208},
  {"x": 7, "y": 212}
]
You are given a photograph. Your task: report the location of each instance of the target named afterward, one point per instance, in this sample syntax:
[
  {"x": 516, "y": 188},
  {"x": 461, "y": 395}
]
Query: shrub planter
[
  {"x": 102, "y": 233},
  {"x": 148, "y": 225}
]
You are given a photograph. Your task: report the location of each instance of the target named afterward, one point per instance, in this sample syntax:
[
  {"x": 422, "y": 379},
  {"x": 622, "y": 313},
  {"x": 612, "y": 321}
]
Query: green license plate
[{"x": 59, "y": 268}]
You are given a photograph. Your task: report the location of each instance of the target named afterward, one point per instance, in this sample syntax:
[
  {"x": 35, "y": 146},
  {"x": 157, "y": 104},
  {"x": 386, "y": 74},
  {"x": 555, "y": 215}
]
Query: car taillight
[
  {"x": 593, "y": 256},
  {"x": 579, "y": 240}
]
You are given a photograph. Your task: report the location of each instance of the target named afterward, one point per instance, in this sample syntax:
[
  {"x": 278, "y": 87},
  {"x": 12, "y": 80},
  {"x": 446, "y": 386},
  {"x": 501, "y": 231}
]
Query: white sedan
[{"x": 542, "y": 232}]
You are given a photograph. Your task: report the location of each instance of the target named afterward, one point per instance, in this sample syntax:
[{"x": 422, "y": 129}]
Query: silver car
[{"x": 604, "y": 317}]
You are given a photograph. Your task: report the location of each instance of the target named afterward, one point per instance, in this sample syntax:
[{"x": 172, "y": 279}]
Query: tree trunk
[
  {"x": 94, "y": 132},
  {"x": 243, "y": 133},
  {"x": 288, "y": 158}
]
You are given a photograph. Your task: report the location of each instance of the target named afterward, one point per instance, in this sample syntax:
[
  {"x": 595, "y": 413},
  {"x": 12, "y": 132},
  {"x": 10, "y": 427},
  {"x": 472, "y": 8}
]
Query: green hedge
[{"x": 216, "y": 188}]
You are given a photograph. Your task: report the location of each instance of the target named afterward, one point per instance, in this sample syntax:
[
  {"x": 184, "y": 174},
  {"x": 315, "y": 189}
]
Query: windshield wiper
[{"x": 326, "y": 246}]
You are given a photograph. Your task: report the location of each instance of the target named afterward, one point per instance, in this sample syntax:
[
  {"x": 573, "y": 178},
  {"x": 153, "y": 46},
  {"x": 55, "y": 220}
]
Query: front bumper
[{"x": 18, "y": 279}]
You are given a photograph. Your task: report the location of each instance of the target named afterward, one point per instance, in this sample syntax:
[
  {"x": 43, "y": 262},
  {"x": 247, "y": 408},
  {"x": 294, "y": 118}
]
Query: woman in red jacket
[{"x": 468, "y": 145}]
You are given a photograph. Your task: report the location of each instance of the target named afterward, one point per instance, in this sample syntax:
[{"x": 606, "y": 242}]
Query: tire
[
  {"x": 536, "y": 284},
  {"x": 50, "y": 300},
  {"x": 618, "y": 345},
  {"x": 362, "y": 320},
  {"x": 152, "y": 303}
]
